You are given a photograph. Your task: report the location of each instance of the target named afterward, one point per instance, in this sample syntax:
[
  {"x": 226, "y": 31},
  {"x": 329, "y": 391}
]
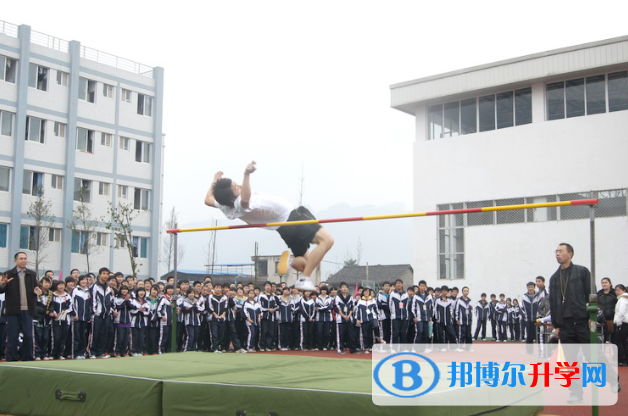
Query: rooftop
[
  {"x": 377, "y": 273},
  {"x": 91, "y": 54}
]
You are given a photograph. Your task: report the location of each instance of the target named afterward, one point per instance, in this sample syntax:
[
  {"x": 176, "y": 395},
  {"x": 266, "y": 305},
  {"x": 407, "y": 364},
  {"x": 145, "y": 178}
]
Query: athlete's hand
[
  {"x": 217, "y": 176},
  {"x": 250, "y": 168}
]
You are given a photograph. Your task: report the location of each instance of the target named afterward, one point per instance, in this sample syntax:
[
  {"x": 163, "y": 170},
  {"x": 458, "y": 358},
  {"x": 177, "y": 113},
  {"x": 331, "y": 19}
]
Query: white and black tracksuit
[{"x": 398, "y": 302}]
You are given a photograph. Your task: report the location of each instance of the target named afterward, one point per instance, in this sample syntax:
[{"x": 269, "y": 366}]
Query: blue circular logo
[{"x": 417, "y": 381}]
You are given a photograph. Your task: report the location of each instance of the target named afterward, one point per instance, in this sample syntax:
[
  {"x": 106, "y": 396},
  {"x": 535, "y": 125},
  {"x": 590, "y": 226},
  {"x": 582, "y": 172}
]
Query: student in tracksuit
[
  {"x": 306, "y": 313},
  {"x": 217, "y": 306},
  {"x": 482, "y": 310},
  {"x": 191, "y": 308},
  {"x": 345, "y": 334},
  {"x": 252, "y": 312},
  {"x": 61, "y": 308},
  {"x": 323, "y": 318},
  {"x": 399, "y": 313},
  {"x": 123, "y": 321},
  {"x": 444, "y": 314},
  {"x": 152, "y": 329},
  {"x": 3, "y": 325},
  {"x": 184, "y": 286},
  {"x": 231, "y": 335},
  {"x": 411, "y": 333},
  {"x": 516, "y": 320},
  {"x": 140, "y": 311},
  {"x": 286, "y": 318},
  {"x": 423, "y": 310},
  {"x": 82, "y": 306},
  {"x": 501, "y": 315},
  {"x": 492, "y": 316},
  {"x": 240, "y": 322},
  {"x": 164, "y": 314},
  {"x": 295, "y": 298},
  {"x": 103, "y": 308},
  {"x": 464, "y": 318},
  {"x": 41, "y": 325},
  {"x": 528, "y": 312},
  {"x": 384, "y": 312},
  {"x": 204, "y": 339},
  {"x": 269, "y": 306},
  {"x": 364, "y": 320}
]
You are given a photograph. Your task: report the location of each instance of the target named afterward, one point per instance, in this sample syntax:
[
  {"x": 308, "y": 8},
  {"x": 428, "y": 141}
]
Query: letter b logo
[{"x": 412, "y": 373}]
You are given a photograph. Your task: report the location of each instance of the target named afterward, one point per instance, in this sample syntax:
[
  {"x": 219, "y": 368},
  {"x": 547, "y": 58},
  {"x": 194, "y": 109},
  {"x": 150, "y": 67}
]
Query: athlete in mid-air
[{"x": 238, "y": 201}]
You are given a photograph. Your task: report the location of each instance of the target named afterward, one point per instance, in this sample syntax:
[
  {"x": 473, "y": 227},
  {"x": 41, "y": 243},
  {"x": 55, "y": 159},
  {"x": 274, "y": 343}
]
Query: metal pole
[
  {"x": 174, "y": 297},
  {"x": 592, "y": 306}
]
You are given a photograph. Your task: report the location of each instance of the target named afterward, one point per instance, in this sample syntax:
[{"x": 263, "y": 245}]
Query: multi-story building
[
  {"x": 78, "y": 123},
  {"x": 552, "y": 126}
]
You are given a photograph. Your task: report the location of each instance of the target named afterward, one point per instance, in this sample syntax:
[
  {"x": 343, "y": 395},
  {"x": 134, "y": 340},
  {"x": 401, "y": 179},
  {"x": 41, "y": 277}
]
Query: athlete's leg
[{"x": 324, "y": 241}]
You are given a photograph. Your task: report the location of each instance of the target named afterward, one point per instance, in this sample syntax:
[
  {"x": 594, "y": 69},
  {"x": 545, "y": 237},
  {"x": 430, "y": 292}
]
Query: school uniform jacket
[
  {"x": 82, "y": 304},
  {"x": 139, "y": 319},
  {"x": 192, "y": 311},
  {"x": 217, "y": 304},
  {"x": 267, "y": 302},
  {"x": 43, "y": 306},
  {"x": 383, "y": 305},
  {"x": 482, "y": 310},
  {"x": 501, "y": 312},
  {"x": 252, "y": 311},
  {"x": 423, "y": 309},
  {"x": 365, "y": 310},
  {"x": 164, "y": 308},
  {"x": 2, "y": 318},
  {"x": 102, "y": 300},
  {"x": 323, "y": 314},
  {"x": 529, "y": 308},
  {"x": 286, "y": 311},
  {"x": 464, "y": 311},
  {"x": 444, "y": 311},
  {"x": 59, "y": 304},
  {"x": 124, "y": 310},
  {"x": 397, "y": 303},
  {"x": 306, "y": 310},
  {"x": 344, "y": 305}
]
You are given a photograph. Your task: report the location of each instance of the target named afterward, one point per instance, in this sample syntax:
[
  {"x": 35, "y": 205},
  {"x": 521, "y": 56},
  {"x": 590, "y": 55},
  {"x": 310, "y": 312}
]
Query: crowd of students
[{"x": 87, "y": 316}]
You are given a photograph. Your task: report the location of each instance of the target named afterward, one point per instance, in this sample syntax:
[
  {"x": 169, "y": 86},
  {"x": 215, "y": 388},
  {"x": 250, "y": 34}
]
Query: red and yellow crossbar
[{"x": 391, "y": 216}]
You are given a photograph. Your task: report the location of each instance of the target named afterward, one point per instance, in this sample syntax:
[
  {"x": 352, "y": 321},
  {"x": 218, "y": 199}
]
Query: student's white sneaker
[
  {"x": 282, "y": 266},
  {"x": 62, "y": 358},
  {"x": 252, "y": 350},
  {"x": 304, "y": 283},
  {"x": 283, "y": 349},
  {"x": 459, "y": 350},
  {"x": 427, "y": 351},
  {"x": 37, "y": 359},
  {"x": 92, "y": 357},
  {"x": 80, "y": 357}
]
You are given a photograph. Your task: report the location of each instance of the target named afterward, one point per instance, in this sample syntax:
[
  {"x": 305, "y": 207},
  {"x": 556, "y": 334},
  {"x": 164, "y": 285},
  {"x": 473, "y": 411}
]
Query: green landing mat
[{"x": 187, "y": 384}]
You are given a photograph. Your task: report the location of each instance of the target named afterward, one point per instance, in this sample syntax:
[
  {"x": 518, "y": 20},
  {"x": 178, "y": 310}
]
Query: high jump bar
[{"x": 391, "y": 216}]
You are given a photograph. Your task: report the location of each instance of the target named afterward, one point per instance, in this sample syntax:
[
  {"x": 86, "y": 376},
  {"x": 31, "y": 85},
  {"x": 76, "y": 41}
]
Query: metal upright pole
[
  {"x": 592, "y": 305},
  {"x": 174, "y": 308}
]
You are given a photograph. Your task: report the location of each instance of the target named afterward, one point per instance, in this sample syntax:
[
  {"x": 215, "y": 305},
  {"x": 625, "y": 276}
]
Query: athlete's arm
[
  {"x": 209, "y": 198},
  {"x": 245, "y": 192}
]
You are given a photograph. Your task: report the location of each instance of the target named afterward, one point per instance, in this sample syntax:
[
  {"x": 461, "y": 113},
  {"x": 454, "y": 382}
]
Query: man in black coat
[{"x": 21, "y": 289}]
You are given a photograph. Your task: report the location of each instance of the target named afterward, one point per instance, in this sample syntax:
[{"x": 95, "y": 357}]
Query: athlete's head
[{"x": 226, "y": 191}]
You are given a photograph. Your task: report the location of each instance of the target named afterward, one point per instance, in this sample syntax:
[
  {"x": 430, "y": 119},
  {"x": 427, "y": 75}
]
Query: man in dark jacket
[
  {"x": 20, "y": 287},
  {"x": 570, "y": 287}
]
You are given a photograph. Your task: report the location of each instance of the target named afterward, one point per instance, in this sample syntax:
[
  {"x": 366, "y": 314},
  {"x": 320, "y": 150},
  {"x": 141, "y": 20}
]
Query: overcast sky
[{"x": 303, "y": 86}]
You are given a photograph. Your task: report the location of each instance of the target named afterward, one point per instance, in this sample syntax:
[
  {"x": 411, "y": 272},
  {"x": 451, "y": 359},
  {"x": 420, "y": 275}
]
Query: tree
[
  {"x": 168, "y": 247},
  {"x": 349, "y": 260},
  {"x": 40, "y": 210},
  {"x": 83, "y": 226},
  {"x": 120, "y": 222}
]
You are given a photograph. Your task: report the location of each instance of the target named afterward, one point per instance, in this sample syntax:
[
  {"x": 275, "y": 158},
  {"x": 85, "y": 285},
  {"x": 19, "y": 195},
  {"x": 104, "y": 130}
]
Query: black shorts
[{"x": 299, "y": 237}]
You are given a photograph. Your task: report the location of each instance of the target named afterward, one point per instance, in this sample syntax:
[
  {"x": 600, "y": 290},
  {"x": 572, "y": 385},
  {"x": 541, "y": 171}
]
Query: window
[
  {"x": 124, "y": 143},
  {"x": 102, "y": 239},
  {"x": 141, "y": 199},
  {"x": 56, "y": 181},
  {"x": 28, "y": 238},
  {"x": 140, "y": 247},
  {"x": 262, "y": 268},
  {"x": 541, "y": 214},
  {"x": 87, "y": 90},
  {"x": 451, "y": 244},
  {"x": 62, "y": 78},
  {"x": 574, "y": 212},
  {"x": 54, "y": 235},
  {"x": 487, "y": 113},
  {"x": 38, "y": 77},
  {"x": 618, "y": 91},
  {"x": 555, "y": 100},
  {"x": 574, "y": 97},
  {"x": 505, "y": 110},
  {"x": 4, "y": 231},
  {"x": 510, "y": 216},
  {"x": 80, "y": 241},
  {"x": 468, "y": 116},
  {"x": 523, "y": 106},
  {"x": 5, "y": 178},
  {"x": 596, "y": 95},
  {"x": 123, "y": 191},
  {"x": 144, "y": 105},
  {"x": 35, "y": 129},
  {"x": 435, "y": 120},
  {"x": 85, "y": 140},
  {"x": 480, "y": 218},
  {"x": 107, "y": 90},
  {"x": 104, "y": 188},
  {"x": 612, "y": 203},
  {"x": 60, "y": 129},
  {"x": 82, "y": 189},
  {"x": 142, "y": 151},
  {"x": 6, "y": 123},
  {"x": 8, "y": 69},
  {"x": 106, "y": 139},
  {"x": 451, "y": 121},
  {"x": 125, "y": 95},
  {"x": 32, "y": 183}
]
